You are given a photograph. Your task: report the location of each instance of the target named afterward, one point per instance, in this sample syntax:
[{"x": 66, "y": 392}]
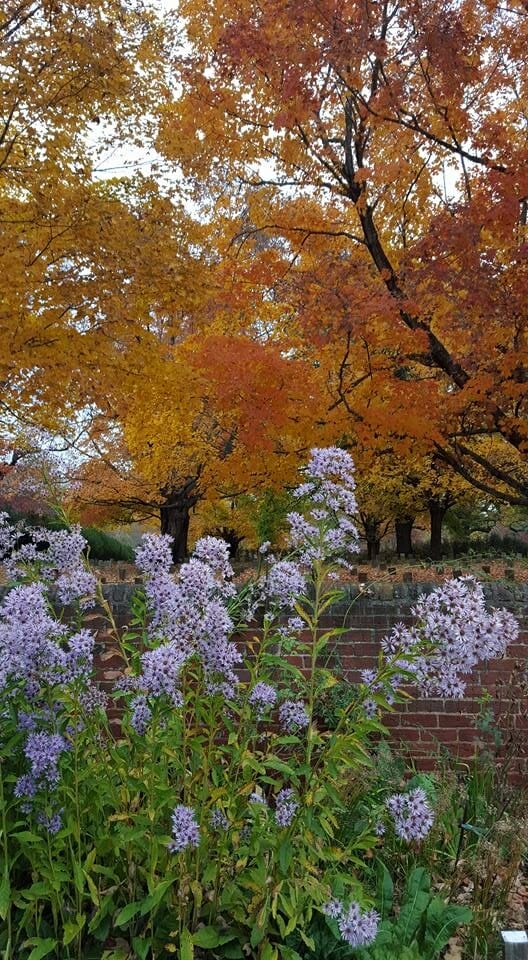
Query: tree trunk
[
  {"x": 373, "y": 539},
  {"x": 175, "y": 515},
  {"x": 437, "y": 513},
  {"x": 404, "y": 536}
]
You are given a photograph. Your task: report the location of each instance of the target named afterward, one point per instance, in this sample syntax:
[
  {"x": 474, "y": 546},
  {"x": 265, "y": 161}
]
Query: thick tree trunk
[
  {"x": 373, "y": 549},
  {"x": 175, "y": 515},
  {"x": 404, "y": 536},
  {"x": 437, "y": 513}
]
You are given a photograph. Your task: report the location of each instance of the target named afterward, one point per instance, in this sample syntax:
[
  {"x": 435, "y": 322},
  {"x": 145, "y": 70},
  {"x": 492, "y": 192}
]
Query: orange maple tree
[{"x": 390, "y": 137}]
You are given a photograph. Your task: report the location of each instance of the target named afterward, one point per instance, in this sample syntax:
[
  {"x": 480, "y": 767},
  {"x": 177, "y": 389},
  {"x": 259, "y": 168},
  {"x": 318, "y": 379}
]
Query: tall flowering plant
[{"x": 210, "y": 821}]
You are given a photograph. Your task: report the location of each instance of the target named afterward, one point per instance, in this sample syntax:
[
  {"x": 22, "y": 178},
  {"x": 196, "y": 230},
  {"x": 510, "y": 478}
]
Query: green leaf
[
  {"x": 25, "y": 836},
  {"x": 5, "y": 896},
  {"x": 186, "y": 945},
  {"x": 442, "y": 919},
  {"x": 287, "y": 953},
  {"x": 385, "y": 889},
  {"x": 41, "y": 947},
  {"x": 156, "y": 896},
  {"x": 257, "y": 934},
  {"x": 141, "y": 947},
  {"x": 285, "y": 855},
  {"x": 207, "y": 937},
  {"x": 128, "y": 912},
  {"x": 72, "y": 929}
]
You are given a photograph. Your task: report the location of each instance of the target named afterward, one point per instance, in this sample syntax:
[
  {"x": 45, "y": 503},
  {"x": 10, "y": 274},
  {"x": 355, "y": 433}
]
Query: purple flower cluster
[
  {"x": 285, "y": 583},
  {"x": 59, "y": 555},
  {"x": 328, "y": 530},
  {"x": 188, "y": 617},
  {"x": 358, "y": 928},
  {"x": 218, "y": 820},
  {"x": 140, "y": 715},
  {"x": 34, "y": 646},
  {"x": 262, "y": 698},
  {"x": 43, "y": 751},
  {"x": 258, "y": 798},
  {"x": 286, "y": 807},
  {"x": 51, "y": 822},
  {"x": 412, "y": 815},
  {"x": 453, "y": 633},
  {"x": 185, "y": 830},
  {"x": 293, "y": 716}
]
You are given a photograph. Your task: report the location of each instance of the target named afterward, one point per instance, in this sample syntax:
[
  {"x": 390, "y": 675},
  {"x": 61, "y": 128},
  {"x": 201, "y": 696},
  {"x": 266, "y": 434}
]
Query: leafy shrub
[{"x": 211, "y": 822}]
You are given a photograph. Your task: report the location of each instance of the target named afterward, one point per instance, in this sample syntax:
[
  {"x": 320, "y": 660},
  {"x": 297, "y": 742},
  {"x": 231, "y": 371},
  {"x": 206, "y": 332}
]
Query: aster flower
[
  {"x": 285, "y": 807},
  {"x": 263, "y": 696},
  {"x": 357, "y": 928},
  {"x": 333, "y": 909},
  {"x": 76, "y": 584},
  {"x": 327, "y": 529},
  {"x": 51, "y": 822},
  {"x": 215, "y": 553},
  {"x": 453, "y": 633},
  {"x": 370, "y": 708},
  {"x": 411, "y": 813},
  {"x": 218, "y": 820},
  {"x": 293, "y": 715},
  {"x": 141, "y": 715},
  {"x": 185, "y": 829},
  {"x": 154, "y": 553},
  {"x": 285, "y": 582},
  {"x": 258, "y": 798}
]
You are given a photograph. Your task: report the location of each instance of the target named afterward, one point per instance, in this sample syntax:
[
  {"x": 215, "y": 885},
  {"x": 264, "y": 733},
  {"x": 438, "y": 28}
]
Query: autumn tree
[
  {"x": 213, "y": 417},
  {"x": 396, "y": 132},
  {"x": 76, "y": 80}
]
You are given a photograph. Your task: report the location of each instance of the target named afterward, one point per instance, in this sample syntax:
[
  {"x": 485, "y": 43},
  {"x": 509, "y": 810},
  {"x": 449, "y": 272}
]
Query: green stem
[{"x": 7, "y": 951}]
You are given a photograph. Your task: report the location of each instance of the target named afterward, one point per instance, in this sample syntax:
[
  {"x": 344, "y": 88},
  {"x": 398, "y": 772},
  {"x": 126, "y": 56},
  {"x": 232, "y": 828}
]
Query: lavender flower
[
  {"x": 357, "y": 928},
  {"x": 293, "y": 715},
  {"x": 141, "y": 715},
  {"x": 328, "y": 531},
  {"x": 52, "y": 822},
  {"x": 285, "y": 582},
  {"x": 333, "y": 909},
  {"x": 370, "y": 708},
  {"x": 76, "y": 584},
  {"x": 258, "y": 798},
  {"x": 218, "y": 820},
  {"x": 43, "y": 750},
  {"x": 454, "y": 632},
  {"x": 154, "y": 554},
  {"x": 412, "y": 815},
  {"x": 185, "y": 830},
  {"x": 264, "y": 547},
  {"x": 285, "y": 807},
  {"x": 262, "y": 697}
]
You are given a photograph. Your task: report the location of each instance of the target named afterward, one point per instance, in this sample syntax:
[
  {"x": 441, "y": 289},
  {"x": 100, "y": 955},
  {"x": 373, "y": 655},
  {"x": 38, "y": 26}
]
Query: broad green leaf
[
  {"x": 141, "y": 947},
  {"x": 41, "y": 948},
  {"x": 126, "y": 914}
]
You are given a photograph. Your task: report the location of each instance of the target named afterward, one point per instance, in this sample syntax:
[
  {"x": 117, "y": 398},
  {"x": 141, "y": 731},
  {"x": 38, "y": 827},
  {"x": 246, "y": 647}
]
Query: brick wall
[{"x": 420, "y": 727}]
